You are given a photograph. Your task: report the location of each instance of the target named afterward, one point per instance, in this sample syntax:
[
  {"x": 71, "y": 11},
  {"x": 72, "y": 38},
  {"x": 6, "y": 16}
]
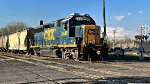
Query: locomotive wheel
[
  {"x": 30, "y": 52},
  {"x": 59, "y": 53},
  {"x": 64, "y": 54},
  {"x": 36, "y": 52},
  {"x": 75, "y": 56},
  {"x": 89, "y": 57}
]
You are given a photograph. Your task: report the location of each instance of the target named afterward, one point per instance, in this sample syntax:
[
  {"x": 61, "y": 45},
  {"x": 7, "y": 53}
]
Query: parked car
[
  {"x": 134, "y": 49},
  {"x": 110, "y": 50},
  {"x": 118, "y": 51},
  {"x": 128, "y": 49}
]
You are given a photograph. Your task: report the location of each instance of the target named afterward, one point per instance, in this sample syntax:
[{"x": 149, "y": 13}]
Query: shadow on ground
[
  {"x": 124, "y": 80},
  {"x": 108, "y": 80},
  {"x": 128, "y": 58}
]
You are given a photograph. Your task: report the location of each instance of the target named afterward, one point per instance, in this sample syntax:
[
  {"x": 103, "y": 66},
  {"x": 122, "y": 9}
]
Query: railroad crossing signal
[
  {"x": 142, "y": 37},
  {"x": 139, "y": 36}
]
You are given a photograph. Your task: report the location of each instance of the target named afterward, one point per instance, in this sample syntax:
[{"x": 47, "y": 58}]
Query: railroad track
[
  {"x": 73, "y": 67},
  {"x": 82, "y": 74},
  {"x": 104, "y": 63},
  {"x": 80, "y": 67}
]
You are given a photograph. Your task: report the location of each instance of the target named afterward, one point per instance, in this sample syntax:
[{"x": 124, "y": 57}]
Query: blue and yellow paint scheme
[{"x": 56, "y": 36}]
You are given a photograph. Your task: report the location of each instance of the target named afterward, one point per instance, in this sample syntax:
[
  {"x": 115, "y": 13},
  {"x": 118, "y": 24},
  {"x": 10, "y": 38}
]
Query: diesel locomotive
[{"x": 76, "y": 37}]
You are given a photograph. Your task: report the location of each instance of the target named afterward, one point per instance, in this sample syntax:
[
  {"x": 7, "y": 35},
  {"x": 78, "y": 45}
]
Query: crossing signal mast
[{"x": 142, "y": 37}]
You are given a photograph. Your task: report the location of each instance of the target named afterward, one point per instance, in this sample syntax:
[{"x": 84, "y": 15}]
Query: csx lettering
[{"x": 49, "y": 34}]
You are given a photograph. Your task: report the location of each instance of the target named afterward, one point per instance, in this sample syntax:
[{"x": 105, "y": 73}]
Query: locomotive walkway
[{"x": 37, "y": 70}]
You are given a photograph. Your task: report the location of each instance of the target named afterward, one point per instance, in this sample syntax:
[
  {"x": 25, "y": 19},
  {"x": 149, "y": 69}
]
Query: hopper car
[
  {"x": 3, "y": 43},
  {"x": 18, "y": 42}
]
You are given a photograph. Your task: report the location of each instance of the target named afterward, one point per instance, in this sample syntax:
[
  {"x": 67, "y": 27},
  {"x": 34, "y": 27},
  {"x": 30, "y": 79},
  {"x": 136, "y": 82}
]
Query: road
[{"x": 44, "y": 70}]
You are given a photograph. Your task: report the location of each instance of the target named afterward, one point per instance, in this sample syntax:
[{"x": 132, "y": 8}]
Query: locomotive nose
[{"x": 89, "y": 34}]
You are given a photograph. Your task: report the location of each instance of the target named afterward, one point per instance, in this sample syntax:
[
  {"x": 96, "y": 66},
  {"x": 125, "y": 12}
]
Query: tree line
[
  {"x": 126, "y": 40},
  {"x": 13, "y": 27}
]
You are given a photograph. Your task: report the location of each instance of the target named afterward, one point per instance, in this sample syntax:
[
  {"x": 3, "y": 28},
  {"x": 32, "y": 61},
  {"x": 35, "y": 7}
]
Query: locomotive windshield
[
  {"x": 76, "y": 20},
  {"x": 81, "y": 20},
  {"x": 93, "y": 31}
]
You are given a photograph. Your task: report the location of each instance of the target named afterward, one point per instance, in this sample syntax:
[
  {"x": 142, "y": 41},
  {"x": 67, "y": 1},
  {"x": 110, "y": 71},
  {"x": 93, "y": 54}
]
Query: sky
[{"x": 126, "y": 16}]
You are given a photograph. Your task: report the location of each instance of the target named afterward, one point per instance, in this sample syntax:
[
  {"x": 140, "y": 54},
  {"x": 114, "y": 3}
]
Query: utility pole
[
  {"x": 105, "y": 45},
  {"x": 104, "y": 18},
  {"x": 114, "y": 38}
]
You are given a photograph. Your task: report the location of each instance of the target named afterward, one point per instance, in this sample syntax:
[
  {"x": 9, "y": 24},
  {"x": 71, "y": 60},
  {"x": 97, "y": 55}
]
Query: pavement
[
  {"x": 16, "y": 72},
  {"x": 12, "y": 74}
]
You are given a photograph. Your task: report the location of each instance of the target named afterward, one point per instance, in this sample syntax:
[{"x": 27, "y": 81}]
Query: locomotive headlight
[
  {"x": 71, "y": 41},
  {"x": 98, "y": 52},
  {"x": 90, "y": 41}
]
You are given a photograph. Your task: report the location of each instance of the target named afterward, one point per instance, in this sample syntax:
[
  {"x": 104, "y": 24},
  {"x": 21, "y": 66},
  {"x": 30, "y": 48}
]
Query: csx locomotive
[{"x": 76, "y": 37}]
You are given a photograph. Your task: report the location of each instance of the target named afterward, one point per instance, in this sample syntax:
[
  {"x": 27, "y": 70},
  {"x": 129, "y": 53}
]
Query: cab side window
[
  {"x": 65, "y": 27},
  {"x": 72, "y": 32}
]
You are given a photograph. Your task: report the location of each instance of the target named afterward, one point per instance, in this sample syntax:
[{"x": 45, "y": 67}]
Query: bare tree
[
  {"x": 15, "y": 27},
  {"x": 3, "y": 31},
  {"x": 127, "y": 39},
  {"x": 12, "y": 28}
]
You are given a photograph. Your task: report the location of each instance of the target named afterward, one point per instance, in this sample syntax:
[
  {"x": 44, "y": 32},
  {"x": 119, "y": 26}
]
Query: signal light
[
  {"x": 146, "y": 37},
  {"x": 139, "y": 36},
  {"x": 142, "y": 37}
]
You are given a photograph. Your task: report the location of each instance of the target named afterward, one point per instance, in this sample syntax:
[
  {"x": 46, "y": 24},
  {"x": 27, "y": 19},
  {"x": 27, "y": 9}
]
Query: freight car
[
  {"x": 18, "y": 42},
  {"x": 76, "y": 37},
  {"x": 3, "y": 43}
]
